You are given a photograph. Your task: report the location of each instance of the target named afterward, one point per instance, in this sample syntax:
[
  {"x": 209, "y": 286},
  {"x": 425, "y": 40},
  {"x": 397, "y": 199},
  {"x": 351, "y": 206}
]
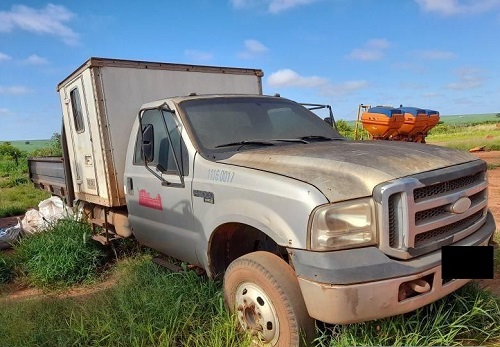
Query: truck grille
[
  {"x": 448, "y": 230},
  {"x": 419, "y": 214},
  {"x": 446, "y": 187}
]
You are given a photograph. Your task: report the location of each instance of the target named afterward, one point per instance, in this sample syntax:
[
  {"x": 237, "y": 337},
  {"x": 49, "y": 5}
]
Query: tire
[{"x": 263, "y": 291}]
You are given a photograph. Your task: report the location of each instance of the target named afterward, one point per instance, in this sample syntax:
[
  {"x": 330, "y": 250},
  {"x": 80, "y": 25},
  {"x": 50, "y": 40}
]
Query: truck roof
[
  {"x": 139, "y": 64},
  {"x": 177, "y": 99}
]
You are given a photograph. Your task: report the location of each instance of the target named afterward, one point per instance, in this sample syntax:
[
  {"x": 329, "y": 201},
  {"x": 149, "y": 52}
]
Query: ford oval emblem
[{"x": 461, "y": 205}]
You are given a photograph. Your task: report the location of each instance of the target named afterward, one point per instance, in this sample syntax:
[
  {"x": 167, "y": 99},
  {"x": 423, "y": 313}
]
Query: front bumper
[{"x": 359, "y": 285}]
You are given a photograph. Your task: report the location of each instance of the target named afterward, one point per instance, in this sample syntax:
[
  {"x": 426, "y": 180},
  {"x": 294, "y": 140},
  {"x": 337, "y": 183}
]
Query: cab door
[
  {"x": 81, "y": 139},
  {"x": 158, "y": 189}
]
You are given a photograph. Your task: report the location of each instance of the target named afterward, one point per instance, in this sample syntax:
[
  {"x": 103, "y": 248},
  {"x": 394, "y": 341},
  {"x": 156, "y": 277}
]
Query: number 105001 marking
[{"x": 220, "y": 175}]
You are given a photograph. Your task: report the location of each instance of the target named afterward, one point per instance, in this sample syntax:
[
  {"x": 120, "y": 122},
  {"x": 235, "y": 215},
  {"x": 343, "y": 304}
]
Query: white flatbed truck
[{"x": 302, "y": 223}]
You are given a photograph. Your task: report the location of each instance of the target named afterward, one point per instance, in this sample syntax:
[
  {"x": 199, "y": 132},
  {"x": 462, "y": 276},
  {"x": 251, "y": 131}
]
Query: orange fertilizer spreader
[{"x": 399, "y": 124}]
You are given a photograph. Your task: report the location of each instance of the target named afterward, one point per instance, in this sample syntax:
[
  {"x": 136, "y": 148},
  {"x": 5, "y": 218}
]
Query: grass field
[
  {"x": 466, "y": 137},
  {"x": 151, "y": 306},
  {"x": 31, "y": 145},
  {"x": 17, "y": 194},
  {"x": 469, "y": 118}
]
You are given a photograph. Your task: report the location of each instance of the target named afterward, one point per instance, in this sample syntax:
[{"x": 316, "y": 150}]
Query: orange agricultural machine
[
  {"x": 397, "y": 124},
  {"x": 432, "y": 120},
  {"x": 415, "y": 120},
  {"x": 382, "y": 121}
]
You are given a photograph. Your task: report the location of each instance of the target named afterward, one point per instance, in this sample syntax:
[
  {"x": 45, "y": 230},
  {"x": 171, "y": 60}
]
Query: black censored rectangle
[{"x": 467, "y": 262}]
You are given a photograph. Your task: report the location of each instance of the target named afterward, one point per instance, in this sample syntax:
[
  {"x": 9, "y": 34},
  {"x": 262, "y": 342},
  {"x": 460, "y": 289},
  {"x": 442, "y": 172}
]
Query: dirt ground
[
  {"x": 493, "y": 158},
  {"x": 16, "y": 291},
  {"x": 8, "y": 222}
]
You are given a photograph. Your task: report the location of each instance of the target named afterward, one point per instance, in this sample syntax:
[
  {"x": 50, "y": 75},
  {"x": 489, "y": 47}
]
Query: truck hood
[{"x": 344, "y": 170}]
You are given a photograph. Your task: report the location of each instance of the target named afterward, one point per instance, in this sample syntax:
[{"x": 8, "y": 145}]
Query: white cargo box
[{"x": 101, "y": 99}]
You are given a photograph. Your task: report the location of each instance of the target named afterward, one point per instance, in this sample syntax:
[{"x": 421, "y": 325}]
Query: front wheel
[{"x": 263, "y": 291}]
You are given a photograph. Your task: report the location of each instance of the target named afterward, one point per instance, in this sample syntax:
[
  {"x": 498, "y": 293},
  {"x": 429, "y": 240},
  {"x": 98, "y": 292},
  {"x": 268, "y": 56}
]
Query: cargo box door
[{"x": 83, "y": 166}]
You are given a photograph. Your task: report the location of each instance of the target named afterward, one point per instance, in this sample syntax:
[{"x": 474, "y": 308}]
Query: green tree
[
  {"x": 54, "y": 149},
  {"x": 343, "y": 126},
  {"x": 10, "y": 152},
  {"x": 56, "y": 142}
]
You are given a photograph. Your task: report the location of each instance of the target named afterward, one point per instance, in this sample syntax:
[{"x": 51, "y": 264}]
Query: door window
[
  {"x": 76, "y": 107},
  {"x": 163, "y": 158}
]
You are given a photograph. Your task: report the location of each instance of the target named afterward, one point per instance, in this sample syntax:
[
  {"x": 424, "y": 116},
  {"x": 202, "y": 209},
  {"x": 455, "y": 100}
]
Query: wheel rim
[{"x": 256, "y": 313}]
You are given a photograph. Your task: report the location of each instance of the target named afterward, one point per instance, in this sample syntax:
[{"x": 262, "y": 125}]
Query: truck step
[
  {"x": 103, "y": 240},
  {"x": 167, "y": 264},
  {"x": 98, "y": 222}
]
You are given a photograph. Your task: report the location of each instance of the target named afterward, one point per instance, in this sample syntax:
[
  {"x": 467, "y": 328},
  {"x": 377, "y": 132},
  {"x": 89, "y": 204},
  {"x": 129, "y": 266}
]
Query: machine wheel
[{"x": 263, "y": 291}]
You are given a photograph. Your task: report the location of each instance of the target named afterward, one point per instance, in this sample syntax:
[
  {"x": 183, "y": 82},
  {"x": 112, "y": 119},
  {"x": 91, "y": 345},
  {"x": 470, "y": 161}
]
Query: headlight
[{"x": 343, "y": 225}]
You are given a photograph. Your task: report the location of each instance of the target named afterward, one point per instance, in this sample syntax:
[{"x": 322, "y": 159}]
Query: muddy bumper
[{"x": 363, "y": 284}]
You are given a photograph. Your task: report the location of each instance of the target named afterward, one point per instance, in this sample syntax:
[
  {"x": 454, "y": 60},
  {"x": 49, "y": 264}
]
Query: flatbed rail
[{"x": 48, "y": 173}]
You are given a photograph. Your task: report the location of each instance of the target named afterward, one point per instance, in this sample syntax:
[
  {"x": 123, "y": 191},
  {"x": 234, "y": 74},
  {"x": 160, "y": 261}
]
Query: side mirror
[
  {"x": 328, "y": 120},
  {"x": 148, "y": 141}
]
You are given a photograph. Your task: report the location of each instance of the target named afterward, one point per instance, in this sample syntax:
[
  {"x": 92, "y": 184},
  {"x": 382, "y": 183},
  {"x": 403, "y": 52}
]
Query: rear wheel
[{"x": 263, "y": 291}]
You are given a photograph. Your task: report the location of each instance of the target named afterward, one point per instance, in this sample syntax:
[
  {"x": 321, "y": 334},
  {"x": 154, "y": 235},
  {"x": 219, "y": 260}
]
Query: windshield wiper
[
  {"x": 300, "y": 140},
  {"x": 315, "y": 138},
  {"x": 242, "y": 143}
]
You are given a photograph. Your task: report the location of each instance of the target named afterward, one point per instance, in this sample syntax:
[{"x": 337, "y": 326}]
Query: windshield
[{"x": 218, "y": 123}]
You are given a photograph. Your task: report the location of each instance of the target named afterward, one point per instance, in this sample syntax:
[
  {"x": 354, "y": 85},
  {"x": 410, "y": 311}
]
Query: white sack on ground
[
  {"x": 52, "y": 209},
  {"x": 32, "y": 221},
  {"x": 49, "y": 210}
]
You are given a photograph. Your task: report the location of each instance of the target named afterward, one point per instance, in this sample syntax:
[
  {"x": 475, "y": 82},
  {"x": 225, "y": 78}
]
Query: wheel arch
[{"x": 232, "y": 240}]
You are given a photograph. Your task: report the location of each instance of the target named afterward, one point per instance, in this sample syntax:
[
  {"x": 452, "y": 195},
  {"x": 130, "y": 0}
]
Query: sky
[{"x": 437, "y": 54}]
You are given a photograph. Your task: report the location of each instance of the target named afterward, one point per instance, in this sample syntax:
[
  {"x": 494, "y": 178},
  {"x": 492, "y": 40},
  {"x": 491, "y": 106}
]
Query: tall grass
[
  {"x": 62, "y": 255},
  {"x": 16, "y": 200},
  {"x": 6, "y": 269},
  {"x": 470, "y": 316},
  {"x": 12, "y": 175},
  {"x": 16, "y": 193},
  {"x": 148, "y": 306},
  {"x": 465, "y": 137}
]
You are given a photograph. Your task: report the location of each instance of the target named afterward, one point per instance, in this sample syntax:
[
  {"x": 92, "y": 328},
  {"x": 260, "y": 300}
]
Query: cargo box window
[{"x": 76, "y": 108}]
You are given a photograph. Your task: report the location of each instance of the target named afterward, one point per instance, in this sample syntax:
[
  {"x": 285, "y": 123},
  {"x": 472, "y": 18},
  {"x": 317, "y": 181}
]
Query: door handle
[{"x": 130, "y": 186}]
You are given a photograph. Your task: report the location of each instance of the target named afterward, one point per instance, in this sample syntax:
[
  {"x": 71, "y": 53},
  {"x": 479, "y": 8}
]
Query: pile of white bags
[{"x": 49, "y": 210}]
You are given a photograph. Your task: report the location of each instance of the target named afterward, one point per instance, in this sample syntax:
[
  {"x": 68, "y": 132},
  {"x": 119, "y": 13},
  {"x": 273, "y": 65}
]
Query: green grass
[
  {"x": 61, "y": 255},
  {"x": 496, "y": 238},
  {"x": 6, "y": 269},
  {"x": 466, "y": 137},
  {"x": 16, "y": 200},
  {"x": 469, "y": 118},
  {"x": 468, "y": 317},
  {"x": 32, "y": 145},
  {"x": 17, "y": 194},
  {"x": 148, "y": 306}
]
